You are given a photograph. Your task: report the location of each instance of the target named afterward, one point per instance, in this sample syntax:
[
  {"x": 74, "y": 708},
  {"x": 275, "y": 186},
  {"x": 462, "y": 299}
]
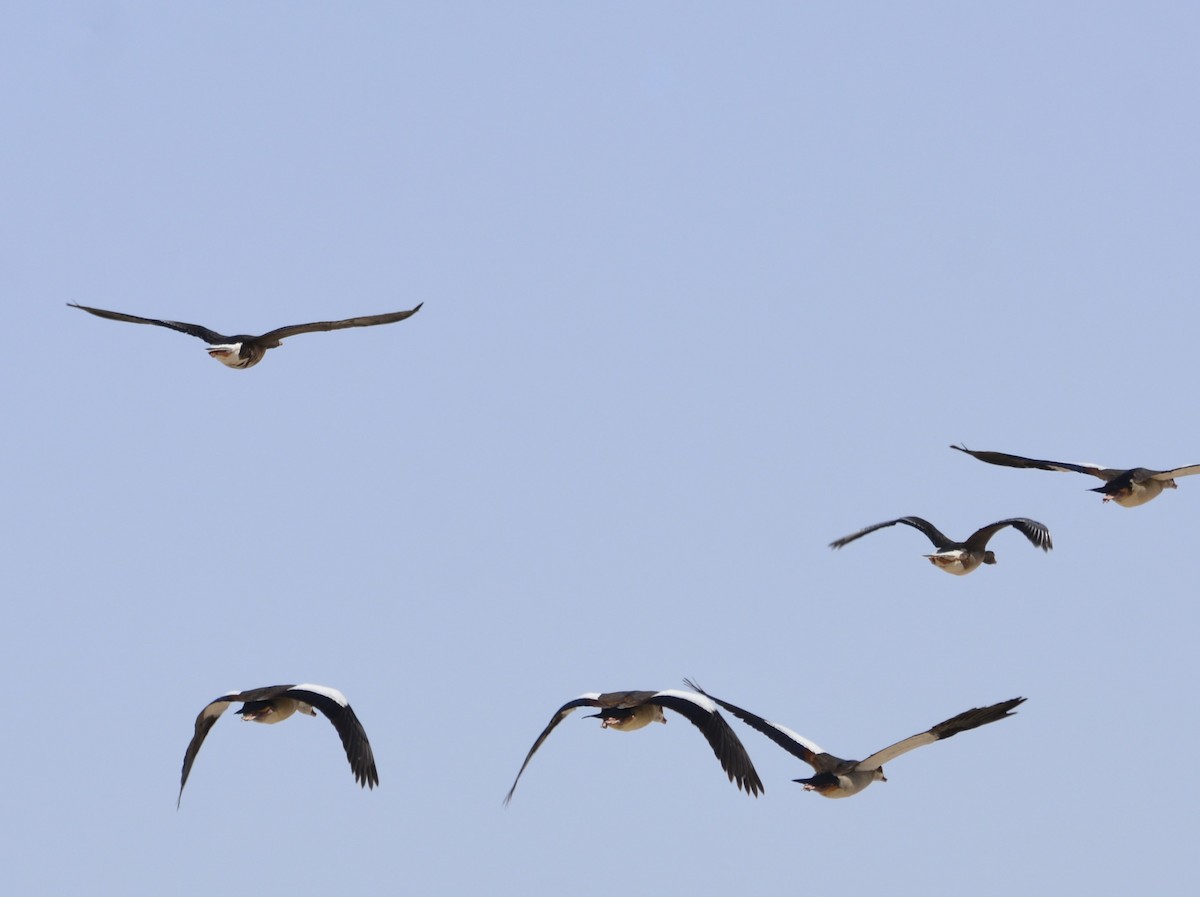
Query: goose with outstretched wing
[
  {"x": 835, "y": 777},
  {"x": 244, "y": 350},
  {"x": 1128, "y": 488},
  {"x": 961, "y": 558}
]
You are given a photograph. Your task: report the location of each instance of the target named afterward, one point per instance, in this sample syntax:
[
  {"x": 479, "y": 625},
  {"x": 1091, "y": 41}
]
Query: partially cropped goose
[
  {"x": 1128, "y": 488},
  {"x": 245, "y": 351},
  {"x": 629, "y": 710},
  {"x": 961, "y": 558},
  {"x": 836, "y": 777},
  {"x": 274, "y": 704}
]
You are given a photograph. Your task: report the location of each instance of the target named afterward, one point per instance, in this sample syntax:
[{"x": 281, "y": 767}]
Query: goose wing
[
  {"x": 591, "y": 699},
  {"x": 701, "y": 712},
  {"x": 208, "y": 718},
  {"x": 333, "y": 704},
  {"x": 209, "y": 336},
  {"x": 795, "y": 744},
  {"x": 968, "y": 719},
  {"x": 281, "y": 333},
  {"x": 1035, "y": 532},
  {"x": 1000, "y": 458},
  {"x": 935, "y": 535},
  {"x": 1142, "y": 474}
]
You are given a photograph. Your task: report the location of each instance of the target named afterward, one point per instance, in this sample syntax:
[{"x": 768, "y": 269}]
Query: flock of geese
[{"x": 626, "y": 711}]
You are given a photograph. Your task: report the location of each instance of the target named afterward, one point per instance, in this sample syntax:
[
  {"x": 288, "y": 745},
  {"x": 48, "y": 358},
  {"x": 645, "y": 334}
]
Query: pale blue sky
[{"x": 706, "y": 287}]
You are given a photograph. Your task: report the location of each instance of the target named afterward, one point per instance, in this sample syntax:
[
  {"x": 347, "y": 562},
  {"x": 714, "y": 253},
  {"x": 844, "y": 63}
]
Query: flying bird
[
  {"x": 244, "y": 350},
  {"x": 836, "y": 777},
  {"x": 629, "y": 710},
  {"x": 1128, "y": 488},
  {"x": 276, "y": 703},
  {"x": 961, "y": 558}
]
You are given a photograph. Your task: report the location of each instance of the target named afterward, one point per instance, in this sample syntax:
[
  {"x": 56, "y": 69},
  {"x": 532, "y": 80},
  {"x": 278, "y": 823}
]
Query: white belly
[{"x": 958, "y": 561}]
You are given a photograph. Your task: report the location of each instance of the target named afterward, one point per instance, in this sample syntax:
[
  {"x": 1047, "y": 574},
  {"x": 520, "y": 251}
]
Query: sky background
[{"x": 706, "y": 286}]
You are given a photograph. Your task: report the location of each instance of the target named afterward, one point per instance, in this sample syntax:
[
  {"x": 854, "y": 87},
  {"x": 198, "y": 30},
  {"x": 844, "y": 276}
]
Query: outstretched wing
[
  {"x": 334, "y": 705},
  {"x": 209, "y": 336},
  {"x": 932, "y": 532},
  {"x": 968, "y": 719},
  {"x": 1035, "y": 532},
  {"x": 591, "y": 699},
  {"x": 1170, "y": 474},
  {"x": 205, "y": 721},
  {"x": 794, "y": 744},
  {"x": 701, "y": 712},
  {"x": 1004, "y": 460},
  {"x": 281, "y": 333}
]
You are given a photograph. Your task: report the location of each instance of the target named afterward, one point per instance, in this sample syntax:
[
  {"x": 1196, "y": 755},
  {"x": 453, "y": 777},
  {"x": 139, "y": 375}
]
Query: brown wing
[
  {"x": 1141, "y": 473},
  {"x": 932, "y": 532},
  {"x": 282, "y": 333},
  {"x": 1004, "y": 460},
  {"x": 209, "y": 336},
  {"x": 208, "y": 718},
  {"x": 1035, "y": 532},
  {"x": 592, "y": 699}
]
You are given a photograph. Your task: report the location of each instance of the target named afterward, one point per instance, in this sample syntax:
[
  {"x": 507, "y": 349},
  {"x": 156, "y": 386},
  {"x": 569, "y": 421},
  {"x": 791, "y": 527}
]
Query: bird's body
[
  {"x": 957, "y": 561},
  {"x": 245, "y": 350},
  {"x": 274, "y": 704},
  {"x": 835, "y": 777},
  {"x": 960, "y": 558},
  {"x": 1128, "y": 488},
  {"x": 627, "y": 711}
]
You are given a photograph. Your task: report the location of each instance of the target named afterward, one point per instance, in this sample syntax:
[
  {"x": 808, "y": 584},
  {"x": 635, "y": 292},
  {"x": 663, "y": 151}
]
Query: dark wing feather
[
  {"x": 932, "y": 532},
  {"x": 208, "y": 718},
  {"x": 1141, "y": 473},
  {"x": 968, "y": 719},
  {"x": 722, "y": 739},
  {"x": 209, "y": 336},
  {"x": 794, "y": 744},
  {"x": 204, "y": 722},
  {"x": 1004, "y": 460},
  {"x": 559, "y": 715},
  {"x": 281, "y": 333},
  {"x": 1035, "y": 532},
  {"x": 351, "y": 731}
]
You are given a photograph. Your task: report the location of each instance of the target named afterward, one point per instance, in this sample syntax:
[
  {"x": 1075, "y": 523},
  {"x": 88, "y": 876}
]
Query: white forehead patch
[{"x": 332, "y": 693}]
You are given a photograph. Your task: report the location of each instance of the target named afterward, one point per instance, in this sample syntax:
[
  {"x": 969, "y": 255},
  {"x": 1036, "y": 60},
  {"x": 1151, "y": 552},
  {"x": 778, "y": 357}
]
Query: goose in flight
[
  {"x": 961, "y": 558},
  {"x": 1128, "y": 488},
  {"x": 276, "y": 703},
  {"x": 629, "y": 710},
  {"x": 836, "y": 777},
  {"x": 244, "y": 350}
]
